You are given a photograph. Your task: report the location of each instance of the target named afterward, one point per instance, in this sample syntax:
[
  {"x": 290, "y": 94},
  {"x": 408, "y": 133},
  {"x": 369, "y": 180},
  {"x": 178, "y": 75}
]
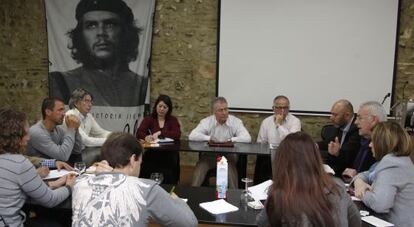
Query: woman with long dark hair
[
  {"x": 303, "y": 194},
  {"x": 161, "y": 124}
]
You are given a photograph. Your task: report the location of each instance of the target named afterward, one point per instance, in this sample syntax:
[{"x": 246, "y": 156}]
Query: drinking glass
[
  {"x": 246, "y": 195},
  {"x": 157, "y": 177},
  {"x": 79, "y": 167}
]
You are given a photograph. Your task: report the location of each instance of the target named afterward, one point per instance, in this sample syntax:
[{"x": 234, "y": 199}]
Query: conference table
[
  {"x": 92, "y": 153},
  {"x": 242, "y": 149},
  {"x": 244, "y": 216},
  {"x": 203, "y": 146}
]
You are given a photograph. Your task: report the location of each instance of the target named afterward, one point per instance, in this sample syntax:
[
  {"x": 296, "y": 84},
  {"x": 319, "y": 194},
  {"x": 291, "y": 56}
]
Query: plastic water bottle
[{"x": 222, "y": 177}]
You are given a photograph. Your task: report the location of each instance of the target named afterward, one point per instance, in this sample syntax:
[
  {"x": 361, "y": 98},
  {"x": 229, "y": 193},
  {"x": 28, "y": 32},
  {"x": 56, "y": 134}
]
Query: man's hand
[
  {"x": 349, "y": 172},
  {"x": 70, "y": 179},
  {"x": 333, "y": 147},
  {"x": 43, "y": 171},
  {"x": 279, "y": 119},
  {"x": 173, "y": 195},
  {"x": 103, "y": 166},
  {"x": 63, "y": 165},
  {"x": 72, "y": 121},
  {"x": 361, "y": 187}
]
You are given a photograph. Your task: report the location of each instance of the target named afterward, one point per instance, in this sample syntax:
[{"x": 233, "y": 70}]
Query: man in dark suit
[
  {"x": 369, "y": 115},
  {"x": 341, "y": 146}
]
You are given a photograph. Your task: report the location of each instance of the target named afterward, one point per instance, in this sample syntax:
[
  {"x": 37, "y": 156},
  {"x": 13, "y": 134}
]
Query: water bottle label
[{"x": 221, "y": 191}]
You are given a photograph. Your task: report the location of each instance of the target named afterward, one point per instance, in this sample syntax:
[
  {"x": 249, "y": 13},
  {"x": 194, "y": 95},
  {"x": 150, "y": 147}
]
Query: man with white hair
[
  {"x": 273, "y": 130},
  {"x": 369, "y": 115},
  {"x": 218, "y": 127}
]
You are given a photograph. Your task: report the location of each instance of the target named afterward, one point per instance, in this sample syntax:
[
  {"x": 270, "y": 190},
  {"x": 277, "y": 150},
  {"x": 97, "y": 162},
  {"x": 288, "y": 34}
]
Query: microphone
[
  {"x": 403, "y": 89},
  {"x": 385, "y": 97}
]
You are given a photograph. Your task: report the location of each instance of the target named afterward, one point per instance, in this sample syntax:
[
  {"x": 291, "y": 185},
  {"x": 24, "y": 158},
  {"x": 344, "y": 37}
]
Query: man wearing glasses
[
  {"x": 369, "y": 115},
  {"x": 273, "y": 130}
]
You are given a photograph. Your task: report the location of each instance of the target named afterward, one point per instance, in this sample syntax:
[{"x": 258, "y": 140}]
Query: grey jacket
[
  {"x": 392, "y": 189},
  {"x": 347, "y": 212}
]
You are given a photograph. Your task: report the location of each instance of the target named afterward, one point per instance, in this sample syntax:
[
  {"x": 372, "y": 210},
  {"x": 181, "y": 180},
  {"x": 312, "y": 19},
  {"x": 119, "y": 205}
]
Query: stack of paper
[
  {"x": 164, "y": 140},
  {"x": 219, "y": 206},
  {"x": 376, "y": 221},
  {"x": 53, "y": 174}
]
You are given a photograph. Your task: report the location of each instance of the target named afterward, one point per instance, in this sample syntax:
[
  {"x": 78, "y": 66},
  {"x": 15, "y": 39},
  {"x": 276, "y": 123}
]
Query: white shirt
[
  {"x": 232, "y": 129},
  {"x": 273, "y": 134},
  {"x": 91, "y": 132}
]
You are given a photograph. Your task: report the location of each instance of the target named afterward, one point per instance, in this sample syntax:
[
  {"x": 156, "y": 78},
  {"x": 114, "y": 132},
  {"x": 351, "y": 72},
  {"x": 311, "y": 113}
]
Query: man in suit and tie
[{"x": 340, "y": 148}]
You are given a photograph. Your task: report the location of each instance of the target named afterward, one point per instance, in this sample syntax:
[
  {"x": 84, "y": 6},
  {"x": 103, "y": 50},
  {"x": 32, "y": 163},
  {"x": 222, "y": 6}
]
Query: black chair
[{"x": 328, "y": 132}]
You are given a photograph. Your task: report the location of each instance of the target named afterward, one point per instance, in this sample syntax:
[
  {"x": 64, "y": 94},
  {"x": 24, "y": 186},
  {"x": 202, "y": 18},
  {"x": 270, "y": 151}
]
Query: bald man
[{"x": 340, "y": 149}]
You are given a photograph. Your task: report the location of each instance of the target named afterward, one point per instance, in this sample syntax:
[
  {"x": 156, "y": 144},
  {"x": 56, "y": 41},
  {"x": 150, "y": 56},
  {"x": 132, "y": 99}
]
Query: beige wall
[{"x": 183, "y": 60}]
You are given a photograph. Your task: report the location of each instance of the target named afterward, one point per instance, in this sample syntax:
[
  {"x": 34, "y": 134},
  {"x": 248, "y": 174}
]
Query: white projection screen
[{"x": 313, "y": 51}]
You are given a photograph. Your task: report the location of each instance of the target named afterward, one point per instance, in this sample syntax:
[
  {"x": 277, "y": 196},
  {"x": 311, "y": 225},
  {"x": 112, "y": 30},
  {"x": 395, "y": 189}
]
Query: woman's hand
[
  {"x": 43, "y": 171},
  {"x": 152, "y": 137},
  {"x": 149, "y": 138},
  {"x": 57, "y": 183},
  {"x": 361, "y": 187},
  {"x": 156, "y": 135}
]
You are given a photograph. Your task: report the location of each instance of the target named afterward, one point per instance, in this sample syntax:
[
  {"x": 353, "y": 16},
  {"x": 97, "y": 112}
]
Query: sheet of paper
[
  {"x": 219, "y": 206},
  {"x": 259, "y": 192},
  {"x": 53, "y": 174},
  {"x": 355, "y": 198},
  {"x": 376, "y": 221},
  {"x": 165, "y": 140}
]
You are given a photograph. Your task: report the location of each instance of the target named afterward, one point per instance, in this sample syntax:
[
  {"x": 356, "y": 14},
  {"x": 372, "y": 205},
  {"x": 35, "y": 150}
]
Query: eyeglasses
[
  {"x": 360, "y": 118},
  {"x": 280, "y": 107},
  {"x": 87, "y": 101},
  {"x": 222, "y": 110}
]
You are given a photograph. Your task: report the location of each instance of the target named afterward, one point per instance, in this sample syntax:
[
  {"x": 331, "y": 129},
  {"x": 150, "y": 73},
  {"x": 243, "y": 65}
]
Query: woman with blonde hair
[
  {"x": 388, "y": 186},
  {"x": 303, "y": 194}
]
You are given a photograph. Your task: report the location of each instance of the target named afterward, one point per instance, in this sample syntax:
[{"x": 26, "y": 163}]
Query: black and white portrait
[{"x": 104, "y": 47}]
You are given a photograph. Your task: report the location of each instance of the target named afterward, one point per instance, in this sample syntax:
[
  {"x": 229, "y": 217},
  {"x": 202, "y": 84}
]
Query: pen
[
  {"x": 172, "y": 189},
  {"x": 149, "y": 130}
]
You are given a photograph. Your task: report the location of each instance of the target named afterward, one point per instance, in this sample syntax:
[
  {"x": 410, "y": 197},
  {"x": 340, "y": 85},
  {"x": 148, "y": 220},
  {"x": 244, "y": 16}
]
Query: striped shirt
[{"x": 19, "y": 180}]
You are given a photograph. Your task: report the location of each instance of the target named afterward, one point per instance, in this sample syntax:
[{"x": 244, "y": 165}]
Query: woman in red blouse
[{"x": 161, "y": 124}]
